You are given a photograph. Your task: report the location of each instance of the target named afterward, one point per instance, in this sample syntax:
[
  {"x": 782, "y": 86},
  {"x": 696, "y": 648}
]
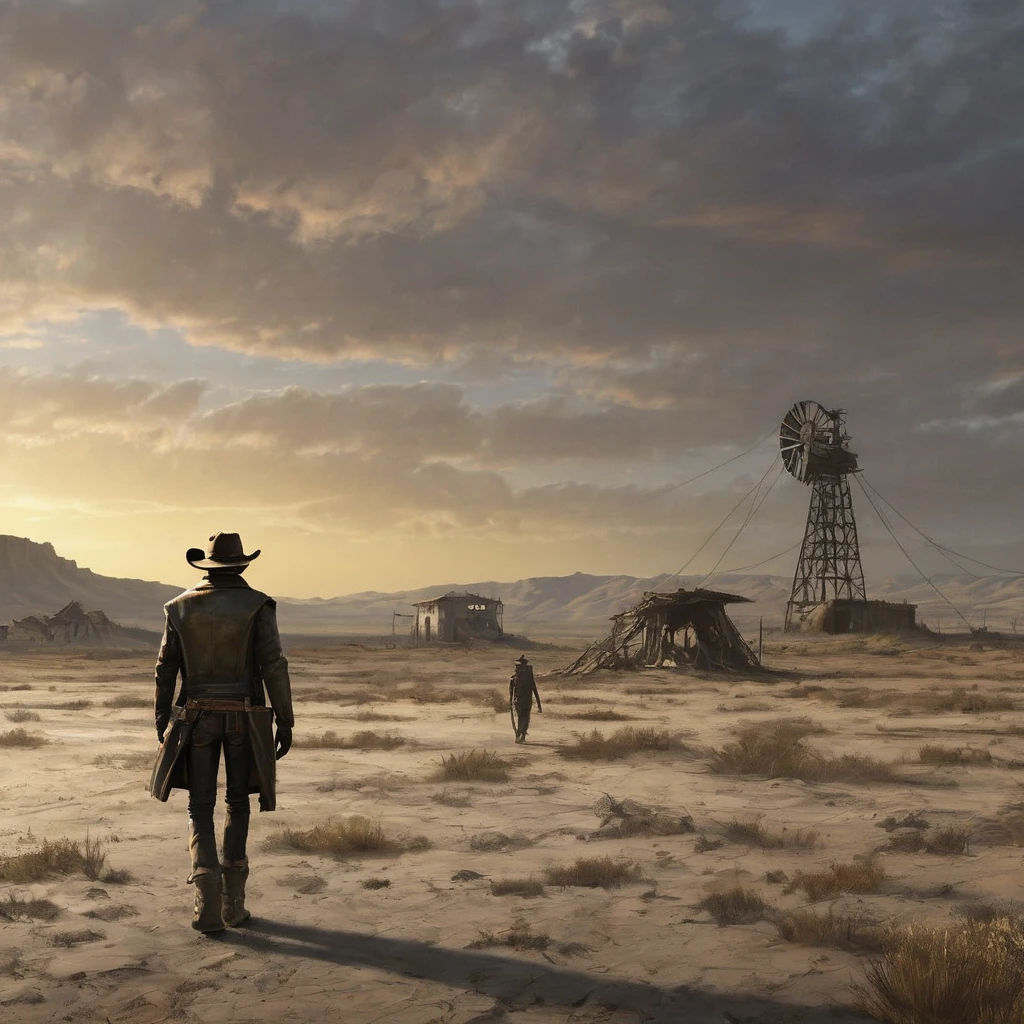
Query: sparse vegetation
[
  {"x": 57, "y": 857},
  {"x": 517, "y": 887},
  {"x": 376, "y": 883},
  {"x": 968, "y": 973},
  {"x": 448, "y": 799},
  {"x": 127, "y": 700},
  {"x": 473, "y": 766},
  {"x": 378, "y": 716},
  {"x": 755, "y": 833},
  {"x": 809, "y": 928},
  {"x": 938, "y": 754},
  {"x": 18, "y": 715},
  {"x": 735, "y": 906},
  {"x": 74, "y": 705},
  {"x": 623, "y": 818},
  {"x": 68, "y": 939},
  {"x": 595, "y": 746},
  {"x": 112, "y": 912},
  {"x": 519, "y": 936},
  {"x": 597, "y": 715},
  {"x": 306, "y": 885},
  {"x": 860, "y": 876},
  {"x": 704, "y": 845},
  {"x": 364, "y": 740},
  {"x": 15, "y": 908},
  {"x": 594, "y": 872},
  {"x": 343, "y": 837},
  {"x": 776, "y": 749},
  {"x": 129, "y": 760},
  {"x": 16, "y": 688},
  {"x": 499, "y": 842},
  {"x": 22, "y": 738},
  {"x": 953, "y": 839}
]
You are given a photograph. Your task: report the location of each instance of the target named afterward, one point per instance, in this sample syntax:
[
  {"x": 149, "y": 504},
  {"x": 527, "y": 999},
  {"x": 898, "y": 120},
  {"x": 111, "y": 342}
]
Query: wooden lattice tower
[{"x": 815, "y": 449}]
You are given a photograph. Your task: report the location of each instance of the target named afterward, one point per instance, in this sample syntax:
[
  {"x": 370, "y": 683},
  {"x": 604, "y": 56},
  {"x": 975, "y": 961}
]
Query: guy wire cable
[
  {"x": 942, "y": 547},
  {"x": 885, "y": 523},
  {"x": 707, "y": 472},
  {"x": 728, "y": 516},
  {"x": 754, "y": 509}
]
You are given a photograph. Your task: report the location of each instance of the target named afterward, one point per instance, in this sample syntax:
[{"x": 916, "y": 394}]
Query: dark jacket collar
[{"x": 219, "y": 581}]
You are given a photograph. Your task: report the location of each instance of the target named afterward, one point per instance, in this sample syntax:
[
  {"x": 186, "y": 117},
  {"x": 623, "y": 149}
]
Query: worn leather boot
[
  {"x": 233, "y": 901},
  {"x": 206, "y": 917}
]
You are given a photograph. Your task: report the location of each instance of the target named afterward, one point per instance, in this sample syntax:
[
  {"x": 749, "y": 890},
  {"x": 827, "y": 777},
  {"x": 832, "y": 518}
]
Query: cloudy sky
[{"x": 412, "y": 291}]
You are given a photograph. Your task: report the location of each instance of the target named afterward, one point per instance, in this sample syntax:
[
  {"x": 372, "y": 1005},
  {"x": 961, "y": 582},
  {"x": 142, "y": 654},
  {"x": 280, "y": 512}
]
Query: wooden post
[{"x": 760, "y": 638}]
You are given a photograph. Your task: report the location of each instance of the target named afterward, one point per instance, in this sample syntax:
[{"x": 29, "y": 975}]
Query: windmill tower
[{"x": 815, "y": 449}]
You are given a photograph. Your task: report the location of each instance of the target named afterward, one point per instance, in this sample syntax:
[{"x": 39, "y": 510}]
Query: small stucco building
[
  {"x": 846, "y": 616},
  {"x": 458, "y": 618}
]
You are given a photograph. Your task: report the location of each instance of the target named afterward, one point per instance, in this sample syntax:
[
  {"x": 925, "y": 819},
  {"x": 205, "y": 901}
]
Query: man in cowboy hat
[
  {"x": 222, "y": 637},
  {"x": 522, "y": 689}
]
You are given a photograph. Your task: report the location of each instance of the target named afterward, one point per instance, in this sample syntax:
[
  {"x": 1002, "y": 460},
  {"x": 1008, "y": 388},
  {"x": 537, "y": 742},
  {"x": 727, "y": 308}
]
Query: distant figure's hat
[
  {"x": 223, "y": 551},
  {"x": 522, "y": 657}
]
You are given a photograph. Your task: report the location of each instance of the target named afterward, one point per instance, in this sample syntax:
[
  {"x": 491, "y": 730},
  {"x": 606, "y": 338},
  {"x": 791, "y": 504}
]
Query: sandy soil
[{"x": 321, "y": 947}]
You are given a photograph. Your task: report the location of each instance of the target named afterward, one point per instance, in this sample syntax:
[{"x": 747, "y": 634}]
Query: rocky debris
[{"x": 72, "y": 624}]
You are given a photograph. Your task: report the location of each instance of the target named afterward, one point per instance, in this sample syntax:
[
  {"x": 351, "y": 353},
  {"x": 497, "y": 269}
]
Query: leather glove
[
  {"x": 161, "y": 728},
  {"x": 283, "y": 740}
]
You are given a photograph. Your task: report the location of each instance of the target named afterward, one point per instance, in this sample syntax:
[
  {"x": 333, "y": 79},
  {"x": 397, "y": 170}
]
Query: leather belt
[{"x": 216, "y": 704}]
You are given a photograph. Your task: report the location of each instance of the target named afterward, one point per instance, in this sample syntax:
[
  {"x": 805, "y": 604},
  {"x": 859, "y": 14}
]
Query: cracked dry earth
[{"x": 432, "y": 945}]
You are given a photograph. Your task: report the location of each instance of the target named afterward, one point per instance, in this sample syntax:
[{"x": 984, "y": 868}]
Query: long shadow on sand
[{"x": 516, "y": 983}]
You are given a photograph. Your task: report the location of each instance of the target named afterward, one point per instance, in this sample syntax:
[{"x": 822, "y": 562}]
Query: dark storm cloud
[{"x": 409, "y": 180}]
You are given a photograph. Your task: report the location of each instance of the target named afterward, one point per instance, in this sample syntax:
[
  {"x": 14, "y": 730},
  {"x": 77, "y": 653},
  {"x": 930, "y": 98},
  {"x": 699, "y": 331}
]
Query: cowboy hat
[
  {"x": 522, "y": 657},
  {"x": 223, "y": 551}
]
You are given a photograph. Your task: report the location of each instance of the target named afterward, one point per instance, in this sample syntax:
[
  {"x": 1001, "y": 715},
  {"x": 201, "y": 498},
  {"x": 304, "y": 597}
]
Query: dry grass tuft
[
  {"x": 968, "y": 973},
  {"x": 914, "y": 819},
  {"x": 75, "y": 705},
  {"x": 113, "y": 912},
  {"x": 735, "y": 906},
  {"x": 519, "y": 936},
  {"x": 937, "y": 754},
  {"x": 776, "y": 877},
  {"x": 343, "y": 837},
  {"x": 860, "y": 876},
  {"x": 17, "y": 715},
  {"x": 379, "y": 716},
  {"x": 21, "y": 738},
  {"x": 376, "y": 883},
  {"x": 60, "y": 857},
  {"x": 809, "y": 928},
  {"x": 365, "y": 740},
  {"x": 953, "y": 839},
  {"x": 449, "y": 799},
  {"x": 597, "y": 715},
  {"x": 137, "y": 759},
  {"x": 126, "y": 700},
  {"x": 499, "y": 842},
  {"x": 117, "y": 876},
  {"x": 705, "y": 845},
  {"x": 757, "y": 834},
  {"x": 517, "y": 887},
  {"x": 628, "y": 740},
  {"x": 473, "y": 766},
  {"x": 68, "y": 939},
  {"x": 594, "y": 872},
  {"x": 14, "y": 908},
  {"x": 776, "y": 749},
  {"x": 16, "y": 688}
]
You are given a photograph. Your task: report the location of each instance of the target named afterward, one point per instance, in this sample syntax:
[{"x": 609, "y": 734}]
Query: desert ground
[{"x": 709, "y": 851}]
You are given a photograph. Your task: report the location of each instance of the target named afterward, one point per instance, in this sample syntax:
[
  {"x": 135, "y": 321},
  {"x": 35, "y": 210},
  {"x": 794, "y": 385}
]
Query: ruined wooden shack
[{"x": 685, "y": 629}]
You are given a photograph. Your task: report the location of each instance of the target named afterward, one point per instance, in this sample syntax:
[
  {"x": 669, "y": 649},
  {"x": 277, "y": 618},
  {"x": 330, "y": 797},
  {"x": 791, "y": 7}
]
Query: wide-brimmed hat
[
  {"x": 224, "y": 551},
  {"x": 522, "y": 657}
]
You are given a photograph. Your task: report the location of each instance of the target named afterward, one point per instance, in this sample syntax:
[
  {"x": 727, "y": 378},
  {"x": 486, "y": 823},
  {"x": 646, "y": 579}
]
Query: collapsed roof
[{"x": 684, "y": 629}]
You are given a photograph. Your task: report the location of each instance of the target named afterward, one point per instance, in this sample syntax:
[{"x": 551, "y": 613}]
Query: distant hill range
[{"x": 35, "y": 580}]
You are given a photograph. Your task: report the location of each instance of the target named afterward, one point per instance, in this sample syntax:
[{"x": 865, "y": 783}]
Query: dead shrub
[
  {"x": 364, "y": 740},
  {"x": 776, "y": 749},
  {"x": 117, "y": 876},
  {"x": 705, "y": 845},
  {"x": 519, "y": 936},
  {"x": 594, "y": 872},
  {"x": 22, "y": 738},
  {"x": 14, "y": 908},
  {"x": 953, "y": 839},
  {"x": 93, "y": 857},
  {"x": 517, "y": 887},
  {"x": 473, "y": 766},
  {"x": 377, "y": 716},
  {"x": 16, "y": 688},
  {"x": 860, "y": 876},
  {"x": 113, "y": 912},
  {"x": 60, "y": 857},
  {"x": 755, "y": 833},
  {"x": 17, "y": 715},
  {"x": 499, "y": 842},
  {"x": 776, "y": 877},
  {"x": 937, "y": 754},
  {"x": 914, "y": 819},
  {"x": 968, "y": 973},
  {"x": 497, "y": 701},
  {"x": 627, "y": 740},
  {"x": 343, "y": 837},
  {"x": 809, "y": 928},
  {"x": 621, "y": 819},
  {"x": 127, "y": 700},
  {"x": 735, "y": 906},
  {"x": 376, "y": 883},
  {"x": 448, "y": 799},
  {"x": 74, "y": 705}
]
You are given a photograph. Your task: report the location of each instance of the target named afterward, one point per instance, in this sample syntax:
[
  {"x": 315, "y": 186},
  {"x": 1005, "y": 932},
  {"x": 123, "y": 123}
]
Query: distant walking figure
[
  {"x": 522, "y": 689},
  {"x": 222, "y": 637}
]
